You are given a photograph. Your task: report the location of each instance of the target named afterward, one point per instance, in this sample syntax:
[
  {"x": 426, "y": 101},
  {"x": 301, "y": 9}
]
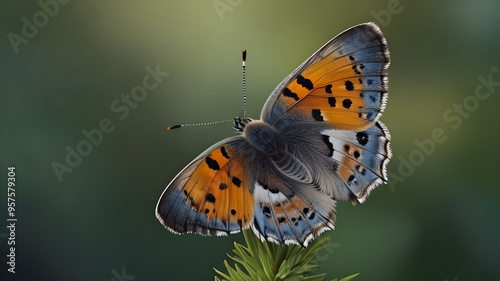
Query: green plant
[{"x": 268, "y": 261}]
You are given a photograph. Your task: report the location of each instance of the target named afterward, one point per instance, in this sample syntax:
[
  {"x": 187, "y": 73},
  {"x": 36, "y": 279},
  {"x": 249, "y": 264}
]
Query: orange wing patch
[
  {"x": 218, "y": 189},
  {"x": 326, "y": 69},
  {"x": 346, "y": 90}
]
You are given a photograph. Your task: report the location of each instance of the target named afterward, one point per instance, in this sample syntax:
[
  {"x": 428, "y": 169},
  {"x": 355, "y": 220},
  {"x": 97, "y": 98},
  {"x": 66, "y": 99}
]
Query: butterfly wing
[
  {"x": 347, "y": 165},
  {"x": 344, "y": 83},
  {"x": 231, "y": 186},
  {"x": 326, "y": 113},
  {"x": 211, "y": 195},
  {"x": 287, "y": 209},
  {"x": 328, "y": 110}
]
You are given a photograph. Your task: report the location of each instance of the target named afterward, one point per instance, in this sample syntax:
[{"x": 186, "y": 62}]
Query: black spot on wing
[
  {"x": 362, "y": 138},
  {"x": 328, "y": 89},
  {"x": 351, "y": 178},
  {"x": 312, "y": 215},
  {"x": 223, "y": 151},
  {"x": 349, "y": 85},
  {"x": 362, "y": 171},
  {"x": 222, "y": 186},
  {"x": 332, "y": 101},
  {"x": 212, "y": 163},
  {"x": 357, "y": 68},
  {"x": 210, "y": 198},
  {"x": 316, "y": 114},
  {"x": 356, "y": 154},
  {"x": 236, "y": 181},
  {"x": 347, "y": 148},
  {"x": 289, "y": 94},
  {"x": 266, "y": 211},
  {"x": 304, "y": 82},
  {"x": 329, "y": 145},
  {"x": 347, "y": 103}
]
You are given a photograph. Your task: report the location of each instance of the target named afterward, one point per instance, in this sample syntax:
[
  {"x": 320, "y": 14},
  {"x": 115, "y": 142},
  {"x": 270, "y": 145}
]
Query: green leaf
[
  {"x": 350, "y": 277},
  {"x": 268, "y": 261}
]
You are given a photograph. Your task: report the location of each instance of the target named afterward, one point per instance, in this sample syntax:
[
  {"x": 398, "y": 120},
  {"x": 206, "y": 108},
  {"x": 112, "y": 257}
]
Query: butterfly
[{"x": 318, "y": 141}]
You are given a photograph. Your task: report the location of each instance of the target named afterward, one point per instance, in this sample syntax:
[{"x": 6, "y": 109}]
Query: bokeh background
[{"x": 439, "y": 219}]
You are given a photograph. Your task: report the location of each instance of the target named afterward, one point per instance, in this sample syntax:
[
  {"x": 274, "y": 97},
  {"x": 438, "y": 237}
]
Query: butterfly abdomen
[{"x": 263, "y": 137}]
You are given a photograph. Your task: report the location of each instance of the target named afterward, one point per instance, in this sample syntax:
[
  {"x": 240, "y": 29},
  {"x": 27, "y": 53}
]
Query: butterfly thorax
[{"x": 263, "y": 137}]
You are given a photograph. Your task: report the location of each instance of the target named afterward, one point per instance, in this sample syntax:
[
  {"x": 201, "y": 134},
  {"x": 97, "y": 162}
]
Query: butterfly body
[{"x": 318, "y": 141}]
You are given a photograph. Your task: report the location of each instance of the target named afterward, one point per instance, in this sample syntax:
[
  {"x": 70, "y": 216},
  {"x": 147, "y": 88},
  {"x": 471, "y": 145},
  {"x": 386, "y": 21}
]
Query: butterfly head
[{"x": 239, "y": 124}]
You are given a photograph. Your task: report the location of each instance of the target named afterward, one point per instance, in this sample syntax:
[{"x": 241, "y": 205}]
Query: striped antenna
[
  {"x": 169, "y": 128},
  {"x": 244, "y": 58},
  {"x": 243, "y": 70}
]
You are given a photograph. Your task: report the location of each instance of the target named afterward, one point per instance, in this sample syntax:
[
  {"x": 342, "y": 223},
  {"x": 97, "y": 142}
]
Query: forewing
[
  {"x": 343, "y": 84},
  {"x": 211, "y": 195}
]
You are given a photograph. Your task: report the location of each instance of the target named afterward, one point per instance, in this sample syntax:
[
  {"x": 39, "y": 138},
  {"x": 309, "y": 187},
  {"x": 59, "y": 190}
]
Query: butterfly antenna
[
  {"x": 243, "y": 70},
  {"x": 244, "y": 58},
  {"x": 169, "y": 128}
]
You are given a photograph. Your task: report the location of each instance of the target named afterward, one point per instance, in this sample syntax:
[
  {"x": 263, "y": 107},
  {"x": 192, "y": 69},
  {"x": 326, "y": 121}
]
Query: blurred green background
[{"x": 439, "y": 219}]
